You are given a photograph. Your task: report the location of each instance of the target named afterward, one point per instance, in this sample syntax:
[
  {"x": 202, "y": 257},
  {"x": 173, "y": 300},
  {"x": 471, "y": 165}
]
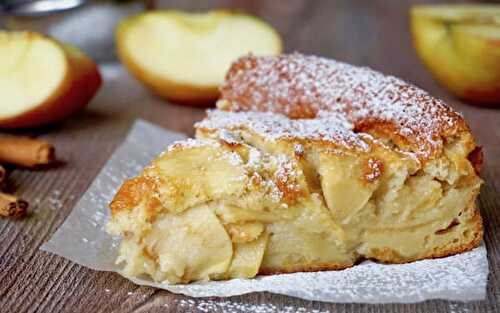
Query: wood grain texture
[{"x": 372, "y": 33}]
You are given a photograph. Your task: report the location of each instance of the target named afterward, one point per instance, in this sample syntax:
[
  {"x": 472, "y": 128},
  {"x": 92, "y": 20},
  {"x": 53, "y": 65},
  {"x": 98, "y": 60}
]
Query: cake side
[
  {"x": 391, "y": 206},
  {"x": 208, "y": 210}
]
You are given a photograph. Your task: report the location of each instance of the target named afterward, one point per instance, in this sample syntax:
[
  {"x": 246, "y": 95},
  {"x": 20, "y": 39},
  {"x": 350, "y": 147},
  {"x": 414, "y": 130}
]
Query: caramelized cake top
[{"x": 304, "y": 87}]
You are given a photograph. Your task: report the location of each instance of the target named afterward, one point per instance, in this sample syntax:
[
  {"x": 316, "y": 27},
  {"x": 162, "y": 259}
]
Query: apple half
[
  {"x": 183, "y": 57},
  {"x": 42, "y": 80},
  {"x": 460, "y": 44}
]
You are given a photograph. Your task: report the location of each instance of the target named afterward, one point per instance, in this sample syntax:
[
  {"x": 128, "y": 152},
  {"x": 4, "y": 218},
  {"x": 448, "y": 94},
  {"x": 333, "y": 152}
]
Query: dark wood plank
[{"x": 373, "y": 33}]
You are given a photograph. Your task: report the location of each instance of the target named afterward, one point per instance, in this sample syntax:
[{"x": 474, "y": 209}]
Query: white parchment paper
[{"x": 83, "y": 240}]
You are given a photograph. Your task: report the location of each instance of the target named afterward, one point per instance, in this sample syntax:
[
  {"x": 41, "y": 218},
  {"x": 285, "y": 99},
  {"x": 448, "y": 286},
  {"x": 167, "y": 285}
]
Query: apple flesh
[
  {"x": 183, "y": 57},
  {"x": 460, "y": 44},
  {"x": 42, "y": 80}
]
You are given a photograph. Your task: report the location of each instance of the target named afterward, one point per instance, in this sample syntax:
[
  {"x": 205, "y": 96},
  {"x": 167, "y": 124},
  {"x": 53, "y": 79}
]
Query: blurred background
[
  {"x": 354, "y": 31},
  {"x": 368, "y": 33},
  {"x": 323, "y": 24}
]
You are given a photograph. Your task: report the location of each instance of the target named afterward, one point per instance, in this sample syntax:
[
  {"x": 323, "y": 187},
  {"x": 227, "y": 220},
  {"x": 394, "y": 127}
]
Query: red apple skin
[
  {"x": 79, "y": 87},
  {"x": 485, "y": 98}
]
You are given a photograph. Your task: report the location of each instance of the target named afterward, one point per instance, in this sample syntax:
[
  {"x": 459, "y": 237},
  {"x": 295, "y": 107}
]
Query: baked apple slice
[
  {"x": 42, "y": 80},
  {"x": 460, "y": 44},
  {"x": 183, "y": 56}
]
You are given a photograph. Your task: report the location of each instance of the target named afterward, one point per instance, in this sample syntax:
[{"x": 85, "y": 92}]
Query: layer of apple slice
[
  {"x": 184, "y": 56},
  {"x": 42, "y": 80},
  {"x": 461, "y": 46}
]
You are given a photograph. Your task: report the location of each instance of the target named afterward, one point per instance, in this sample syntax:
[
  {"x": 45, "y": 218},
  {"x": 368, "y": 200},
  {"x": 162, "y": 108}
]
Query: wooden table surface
[{"x": 372, "y": 33}]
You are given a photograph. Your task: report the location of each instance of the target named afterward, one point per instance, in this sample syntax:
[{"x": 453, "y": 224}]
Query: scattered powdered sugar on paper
[
  {"x": 238, "y": 307},
  {"x": 460, "y": 277},
  {"x": 82, "y": 239},
  {"x": 458, "y": 308}
]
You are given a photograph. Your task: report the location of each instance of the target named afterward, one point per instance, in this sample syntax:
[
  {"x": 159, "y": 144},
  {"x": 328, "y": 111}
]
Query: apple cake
[{"x": 307, "y": 164}]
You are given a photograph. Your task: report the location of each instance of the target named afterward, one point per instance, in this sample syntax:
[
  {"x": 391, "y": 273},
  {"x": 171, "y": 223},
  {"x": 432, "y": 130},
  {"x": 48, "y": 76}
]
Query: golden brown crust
[
  {"x": 291, "y": 191},
  {"x": 302, "y": 87},
  {"x": 372, "y": 170},
  {"x": 132, "y": 193},
  {"x": 476, "y": 158},
  {"x": 304, "y": 268}
]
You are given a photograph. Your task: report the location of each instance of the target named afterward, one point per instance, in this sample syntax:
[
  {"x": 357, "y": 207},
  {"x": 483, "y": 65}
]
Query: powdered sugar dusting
[
  {"x": 331, "y": 127},
  {"x": 298, "y": 149},
  {"x": 375, "y": 169},
  {"x": 302, "y": 86},
  {"x": 282, "y": 175},
  {"x": 287, "y": 176},
  {"x": 190, "y": 144},
  {"x": 232, "y": 157},
  {"x": 228, "y": 137},
  {"x": 254, "y": 158},
  {"x": 281, "y": 184}
]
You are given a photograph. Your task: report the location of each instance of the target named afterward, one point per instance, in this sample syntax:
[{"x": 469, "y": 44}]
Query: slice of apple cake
[{"x": 307, "y": 164}]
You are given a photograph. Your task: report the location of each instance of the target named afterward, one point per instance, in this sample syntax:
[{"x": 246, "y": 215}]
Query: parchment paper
[{"x": 82, "y": 239}]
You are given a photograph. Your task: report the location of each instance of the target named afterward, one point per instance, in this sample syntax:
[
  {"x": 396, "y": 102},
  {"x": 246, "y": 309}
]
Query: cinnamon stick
[
  {"x": 26, "y": 152},
  {"x": 11, "y": 206},
  {"x": 3, "y": 175}
]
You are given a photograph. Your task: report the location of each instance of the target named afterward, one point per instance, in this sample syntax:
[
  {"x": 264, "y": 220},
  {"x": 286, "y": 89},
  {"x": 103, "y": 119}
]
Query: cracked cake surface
[
  {"x": 305, "y": 87},
  {"x": 307, "y": 164}
]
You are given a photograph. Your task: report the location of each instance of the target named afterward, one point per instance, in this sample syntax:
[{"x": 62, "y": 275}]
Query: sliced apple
[
  {"x": 42, "y": 80},
  {"x": 247, "y": 257},
  {"x": 460, "y": 44},
  {"x": 183, "y": 56}
]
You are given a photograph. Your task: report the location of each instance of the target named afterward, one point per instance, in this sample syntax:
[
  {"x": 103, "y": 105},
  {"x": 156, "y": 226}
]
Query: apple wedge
[
  {"x": 42, "y": 80},
  {"x": 460, "y": 44},
  {"x": 183, "y": 57}
]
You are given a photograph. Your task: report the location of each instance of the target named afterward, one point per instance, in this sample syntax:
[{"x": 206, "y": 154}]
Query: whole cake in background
[{"x": 308, "y": 164}]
